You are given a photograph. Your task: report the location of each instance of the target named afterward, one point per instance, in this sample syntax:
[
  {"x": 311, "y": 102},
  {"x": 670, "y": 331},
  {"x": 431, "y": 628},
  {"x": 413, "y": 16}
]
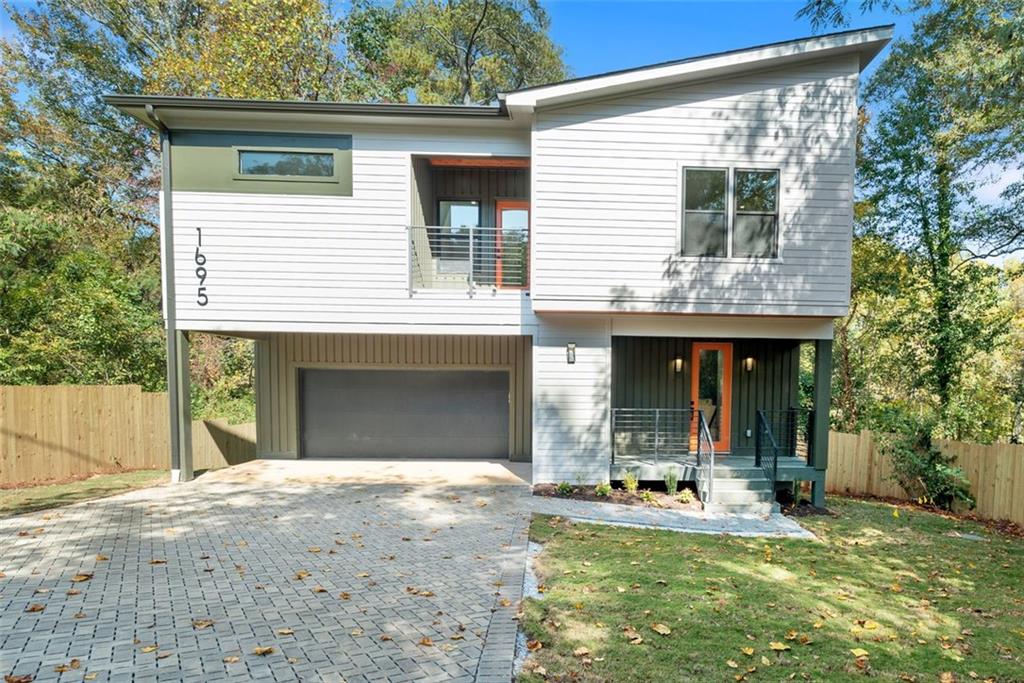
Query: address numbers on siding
[{"x": 200, "y": 258}]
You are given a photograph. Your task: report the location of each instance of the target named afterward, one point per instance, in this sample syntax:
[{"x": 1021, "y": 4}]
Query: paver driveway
[{"x": 402, "y": 562}]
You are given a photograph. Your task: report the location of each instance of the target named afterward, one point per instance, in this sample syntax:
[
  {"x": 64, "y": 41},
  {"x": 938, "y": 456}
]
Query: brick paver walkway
[{"x": 354, "y": 582}]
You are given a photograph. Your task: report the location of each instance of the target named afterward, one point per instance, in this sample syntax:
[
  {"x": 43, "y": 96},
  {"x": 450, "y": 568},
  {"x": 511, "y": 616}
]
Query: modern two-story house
[{"x": 608, "y": 274}]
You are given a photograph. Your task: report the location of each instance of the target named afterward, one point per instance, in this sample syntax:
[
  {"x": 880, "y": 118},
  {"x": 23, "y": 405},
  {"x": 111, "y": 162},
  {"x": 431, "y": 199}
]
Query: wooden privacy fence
[
  {"x": 996, "y": 472},
  {"x": 57, "y": 432}
]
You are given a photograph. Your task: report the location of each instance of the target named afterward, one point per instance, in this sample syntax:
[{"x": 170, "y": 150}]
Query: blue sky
[{"x": 604, "y": 35}]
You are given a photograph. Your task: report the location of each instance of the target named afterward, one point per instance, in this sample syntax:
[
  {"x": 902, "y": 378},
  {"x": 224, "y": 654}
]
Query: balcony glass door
[
  {"x": 512, "y": 238},
  {"x": 711, "y": 388}
]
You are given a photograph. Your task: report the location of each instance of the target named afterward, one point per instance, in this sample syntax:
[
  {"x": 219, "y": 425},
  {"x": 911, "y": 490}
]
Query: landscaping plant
[
  {"x": 630, "y": 482},
  {"x": 564, "y": 488},
  {"x": 924, "y": 471},
  {"x": 685, "y": 496},
  {"x": 671, "y": 481},
  {"x": 603, "y": 490}
]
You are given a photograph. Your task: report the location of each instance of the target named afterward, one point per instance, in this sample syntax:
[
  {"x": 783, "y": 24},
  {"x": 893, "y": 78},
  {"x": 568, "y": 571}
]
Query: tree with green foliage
[{"x": 455, "y": 52}]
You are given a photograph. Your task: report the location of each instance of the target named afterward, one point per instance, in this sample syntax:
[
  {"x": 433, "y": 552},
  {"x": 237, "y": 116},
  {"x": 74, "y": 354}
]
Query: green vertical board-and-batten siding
[{"x": 644, "y": 376}]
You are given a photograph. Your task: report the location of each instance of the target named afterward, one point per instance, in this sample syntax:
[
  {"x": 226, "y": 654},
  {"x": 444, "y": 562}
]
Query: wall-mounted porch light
[
  {"x": 677, "y": 365},
  {"x": 570, "y": 353},
  {"x": 748, "y": 364}
]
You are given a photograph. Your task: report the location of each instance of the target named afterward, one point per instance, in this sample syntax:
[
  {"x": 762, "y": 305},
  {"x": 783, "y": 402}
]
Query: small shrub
[
  {"x": 685, "y": 497},
  {"x": 649, "y": 498},
  {"x": 603, "y": 490},
  {"x": 630, "y": 482},
  {"x": 924, "y": 471},
  {"x": 564, "y": 488},
  {"x": 671, "y": 481}
]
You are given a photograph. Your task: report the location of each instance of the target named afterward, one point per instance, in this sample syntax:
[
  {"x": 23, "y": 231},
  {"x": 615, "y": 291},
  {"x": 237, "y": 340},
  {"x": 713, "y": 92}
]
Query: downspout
[{"x": 174, "y": 389}]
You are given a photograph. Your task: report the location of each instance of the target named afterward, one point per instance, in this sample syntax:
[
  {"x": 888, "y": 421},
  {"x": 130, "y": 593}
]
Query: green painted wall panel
[
  {"x": 643, "y": 376},
  {"x": 207, "y": 161}
]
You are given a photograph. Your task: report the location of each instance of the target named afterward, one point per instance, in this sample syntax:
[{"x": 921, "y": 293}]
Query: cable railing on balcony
[
  {"x": 766, "y": 448},
  {"x": 705, "y": 461},
  {"x": 442, "y": 257},
  {"x": 791, "y": 428}
]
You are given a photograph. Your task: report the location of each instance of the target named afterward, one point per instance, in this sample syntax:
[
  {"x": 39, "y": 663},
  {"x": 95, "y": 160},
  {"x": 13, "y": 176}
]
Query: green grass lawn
[
  {"x": 30, "y": 499},
  {"x": 923, "y": 602}
]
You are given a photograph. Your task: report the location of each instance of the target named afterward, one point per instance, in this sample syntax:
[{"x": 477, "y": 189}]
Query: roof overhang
[
  {"x": 206, "y": 112},
  {"x": 866, "y": 43}
]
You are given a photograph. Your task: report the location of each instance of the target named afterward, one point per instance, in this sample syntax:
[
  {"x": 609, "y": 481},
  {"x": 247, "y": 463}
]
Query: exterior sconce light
[
  {"x": 570, "y": 353},
  {"x": 748, "y": 364},
  {"x": 677, "y": 365}
]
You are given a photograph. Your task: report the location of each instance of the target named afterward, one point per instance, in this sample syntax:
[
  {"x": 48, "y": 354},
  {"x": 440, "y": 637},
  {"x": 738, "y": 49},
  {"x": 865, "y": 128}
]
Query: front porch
[{"x": 744, "y": 395}]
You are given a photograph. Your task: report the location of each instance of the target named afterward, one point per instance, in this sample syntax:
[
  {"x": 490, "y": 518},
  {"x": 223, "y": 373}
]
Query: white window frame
[
  {"x": 730, "y": 213},
  {"x": 733, "y": 211}
]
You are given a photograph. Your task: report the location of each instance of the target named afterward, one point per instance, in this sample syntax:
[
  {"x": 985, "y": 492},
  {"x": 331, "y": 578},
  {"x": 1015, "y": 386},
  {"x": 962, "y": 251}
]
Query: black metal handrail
[
  {"x": 705, "y": 460},
  {"x": 766, "y": 448},
  {"x": 651, "y": 432}
]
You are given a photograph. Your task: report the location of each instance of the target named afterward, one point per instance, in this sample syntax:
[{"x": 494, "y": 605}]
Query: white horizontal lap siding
[
  {"x": 571, "y": 402},
  {"x": 606, "y": 194},
  {"x": 274, "y": 262}
]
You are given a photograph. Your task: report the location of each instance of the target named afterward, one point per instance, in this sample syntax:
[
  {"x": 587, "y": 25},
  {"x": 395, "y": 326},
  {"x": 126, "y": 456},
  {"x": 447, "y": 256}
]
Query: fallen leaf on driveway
[
  {"x": 158, "y": 561},
  {"x": 35, "y": 607},
  {"x": 385, "y": 637},
  {"x": 200, "y": 624},
  {"x": 149, "y": 648},
  {"x": 102, "y": 558},
  {"x": 314, "y": 549},
  {"x": 301, "y": 574},
  {"x": 319, "y": 589},
  {"x": 345, "y": 596},
  {"x": 285, "y": 632},
  {"x": 73, "y": 591},
  {"x": 79, "y": 578},
  {"x": 362, "y": 575},
  {"x": 262, "y": 651},
  {"x": 426, "y": 642},
  {"x": 19, "y": 678},
  {"x": 231, "y": 659},
  {"x": 164, "y": 654},
  {"x": 90, "y": 677}
]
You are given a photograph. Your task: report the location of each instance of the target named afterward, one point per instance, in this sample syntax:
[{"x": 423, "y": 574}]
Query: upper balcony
[{"x": 471, "y": 224}]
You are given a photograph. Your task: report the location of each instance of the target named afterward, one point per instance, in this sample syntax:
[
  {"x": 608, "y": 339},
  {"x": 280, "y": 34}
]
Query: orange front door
[
  {"x": 711, "y": 388},
  {"x": 512, "y": 237}
]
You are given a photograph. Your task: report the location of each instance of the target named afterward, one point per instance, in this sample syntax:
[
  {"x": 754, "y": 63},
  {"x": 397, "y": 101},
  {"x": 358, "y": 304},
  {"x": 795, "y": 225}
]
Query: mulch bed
[
  {"x": 619, "y": 496},
  {"x": 1002, "y": 526}
]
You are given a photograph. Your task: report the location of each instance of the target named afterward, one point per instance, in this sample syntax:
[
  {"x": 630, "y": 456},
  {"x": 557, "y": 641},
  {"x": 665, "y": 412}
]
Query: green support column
[{"x": 822, "y": 401}]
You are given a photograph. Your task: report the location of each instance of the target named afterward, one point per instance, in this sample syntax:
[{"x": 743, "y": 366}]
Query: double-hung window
[{"x": 730, "y": 213}]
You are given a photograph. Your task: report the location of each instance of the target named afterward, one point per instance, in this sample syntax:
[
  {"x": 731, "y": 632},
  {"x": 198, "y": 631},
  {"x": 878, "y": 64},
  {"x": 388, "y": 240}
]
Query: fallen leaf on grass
[
  {"x": 778, "y": 646},
  {"x": 748, "y": 651},
  {"x": 200, "y": 624},
  {"x": 661, "y": 629},
  {"x": 581, "y": 652},
  {"x": 732, "y": 664},
  {"x": 263, "y": 651},
  {"x": 534, "y": 645},
  {"x": 859, "y": 652}
]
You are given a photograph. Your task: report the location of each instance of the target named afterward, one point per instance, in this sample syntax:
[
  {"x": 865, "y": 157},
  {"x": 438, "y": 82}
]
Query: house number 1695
[{"x": 200, "y": 260}]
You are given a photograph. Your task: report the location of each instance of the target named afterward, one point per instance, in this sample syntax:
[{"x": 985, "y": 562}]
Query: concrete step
[
  {"x": 725, "y": 472},
  {"x": 730, "y": 484},
  {"x": 742, "y": 508},
  {"x": 727, "y": 496}
]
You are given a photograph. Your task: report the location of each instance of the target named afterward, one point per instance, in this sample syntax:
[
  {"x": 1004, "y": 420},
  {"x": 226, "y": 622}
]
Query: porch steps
[{"x": 741, "y": 491}]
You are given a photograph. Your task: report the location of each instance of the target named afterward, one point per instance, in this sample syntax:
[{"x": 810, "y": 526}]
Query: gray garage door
[{"x": 404, "y": 413}]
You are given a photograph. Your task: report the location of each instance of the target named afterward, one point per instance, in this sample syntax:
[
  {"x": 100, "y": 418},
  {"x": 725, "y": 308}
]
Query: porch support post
[
  {"x": 179, "y": 403},
  {"x": 822, "y": 400}
]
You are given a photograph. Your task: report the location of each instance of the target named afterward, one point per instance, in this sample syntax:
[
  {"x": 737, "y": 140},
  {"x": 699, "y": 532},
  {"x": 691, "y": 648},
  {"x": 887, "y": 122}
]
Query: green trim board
[
  {"x": 208, "y": 161},
  {"x": 644, "y": 376}
]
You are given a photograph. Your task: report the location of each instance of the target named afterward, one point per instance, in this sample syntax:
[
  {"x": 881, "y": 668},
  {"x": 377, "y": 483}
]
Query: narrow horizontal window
[
  {"x": 704, "y": 211},
  {"x": 286, "y": 163},
  {"x": 756, "y": 218}
]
